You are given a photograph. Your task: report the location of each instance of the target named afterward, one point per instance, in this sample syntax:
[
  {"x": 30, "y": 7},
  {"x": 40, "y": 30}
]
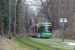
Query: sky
[{"x": 33, "y": 4}]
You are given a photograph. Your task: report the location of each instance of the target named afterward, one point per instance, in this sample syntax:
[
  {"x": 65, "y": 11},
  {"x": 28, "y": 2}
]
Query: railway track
[
  {"x": 51, "y": 42},
  {"x": 38, "y": 43},
  {"x": 32, "y": 41},
  {"x": 60, "y": 45},
  {"x": 25, "y": 37},
  {"x": 26, "y": 44},
  {"x": 41, "y": 44}
]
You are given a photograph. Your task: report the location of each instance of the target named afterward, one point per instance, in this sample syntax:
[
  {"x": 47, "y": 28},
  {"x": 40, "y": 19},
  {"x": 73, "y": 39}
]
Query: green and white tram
[{"x": 41, "y": 30}]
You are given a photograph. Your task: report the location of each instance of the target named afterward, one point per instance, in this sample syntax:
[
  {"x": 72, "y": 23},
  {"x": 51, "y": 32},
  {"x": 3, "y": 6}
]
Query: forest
[{"x": 22, "y": 16}]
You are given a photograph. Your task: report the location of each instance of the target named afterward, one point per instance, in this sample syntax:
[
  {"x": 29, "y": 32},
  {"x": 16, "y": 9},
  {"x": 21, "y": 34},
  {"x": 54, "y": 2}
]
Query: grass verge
[
  {"x": 21, "y": 46},
  {"x": 49, "y": 45},
  {"x": 35, "y": 44}
]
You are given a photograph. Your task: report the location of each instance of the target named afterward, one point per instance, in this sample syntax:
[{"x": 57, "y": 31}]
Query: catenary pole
[
  {"x": 10, "y": 19},
  {"x": 15, "y": 19}
]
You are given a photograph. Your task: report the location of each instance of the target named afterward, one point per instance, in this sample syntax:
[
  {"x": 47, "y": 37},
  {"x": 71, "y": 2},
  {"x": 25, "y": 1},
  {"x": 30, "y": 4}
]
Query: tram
[{"x": 41, "y": 30}]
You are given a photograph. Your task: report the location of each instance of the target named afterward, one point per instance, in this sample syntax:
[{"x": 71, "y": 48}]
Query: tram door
[{"x": 35, "y": 31}]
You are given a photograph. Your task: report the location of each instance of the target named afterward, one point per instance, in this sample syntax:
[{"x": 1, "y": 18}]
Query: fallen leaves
[
  {"x": 11, "y": 45},
  {"x": 0, "y": 49}
]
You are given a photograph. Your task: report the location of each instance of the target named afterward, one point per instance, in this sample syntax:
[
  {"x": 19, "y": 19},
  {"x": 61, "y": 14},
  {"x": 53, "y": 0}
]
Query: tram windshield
[{"x": 47, "y": 29}]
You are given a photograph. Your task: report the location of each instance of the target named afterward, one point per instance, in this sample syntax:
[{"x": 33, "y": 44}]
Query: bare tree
[
  {"x": 53, "y": 10},
  {"x": 23, "y": 17}
]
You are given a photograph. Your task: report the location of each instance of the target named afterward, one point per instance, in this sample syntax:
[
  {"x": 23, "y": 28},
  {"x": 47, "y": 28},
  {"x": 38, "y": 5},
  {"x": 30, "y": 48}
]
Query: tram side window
[
  {"x": 35, "y": 30},
  {"x": 0, "y": 29},
  {"x": 41, "y": 30},
  {"x": 31, "y": 30},
  {"x": 0, "y": 21},
  {"x": 38, "y": 30}
]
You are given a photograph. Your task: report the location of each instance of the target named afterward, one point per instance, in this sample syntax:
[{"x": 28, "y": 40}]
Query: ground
[
  {"x": 70, "y": 43},
  {"x": 6, "y": 44}
]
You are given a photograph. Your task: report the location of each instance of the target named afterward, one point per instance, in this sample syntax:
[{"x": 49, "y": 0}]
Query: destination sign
[{"x": 48, "y": 25}]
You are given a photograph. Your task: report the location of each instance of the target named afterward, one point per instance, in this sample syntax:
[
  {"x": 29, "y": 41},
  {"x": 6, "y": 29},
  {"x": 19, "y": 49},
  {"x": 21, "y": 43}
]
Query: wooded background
[{"x": 50, "y": 11}]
